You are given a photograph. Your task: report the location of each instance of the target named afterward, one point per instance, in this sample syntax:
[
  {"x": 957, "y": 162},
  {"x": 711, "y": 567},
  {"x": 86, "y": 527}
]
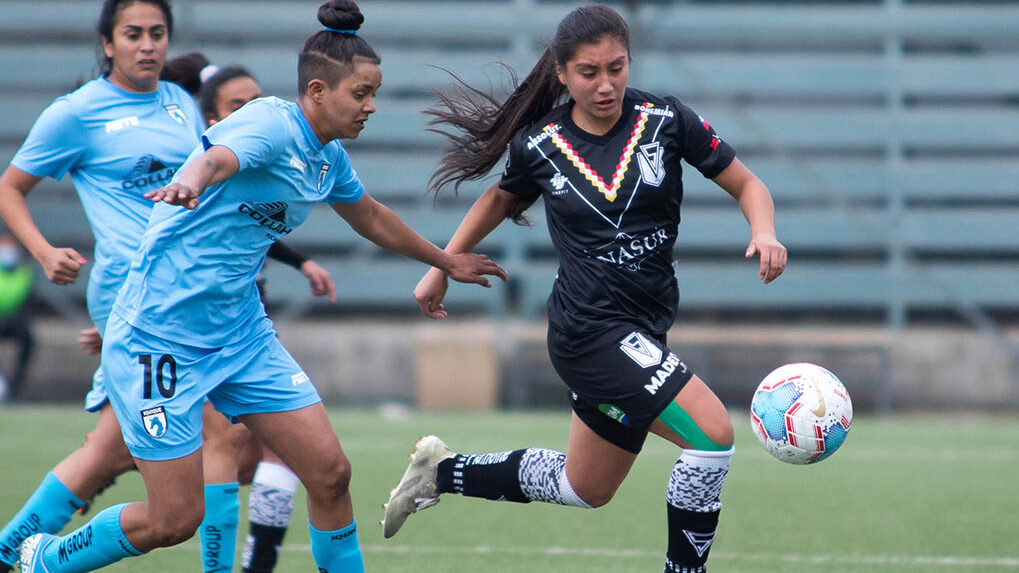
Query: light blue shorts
[
  {"x": 157, "y": 387},
  {"x": 96, "y": 397}
]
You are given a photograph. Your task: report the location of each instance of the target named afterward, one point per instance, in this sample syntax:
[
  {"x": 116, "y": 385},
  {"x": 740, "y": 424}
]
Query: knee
[
  {"x": 597, "y": 499},
  {"x": 723, "y": 434},
  {"x": 228, "y": 443},
  {"x": 596, "y": 496},
  {"x": 330, "y": 480},
  {"x": 176, "y": 527}
]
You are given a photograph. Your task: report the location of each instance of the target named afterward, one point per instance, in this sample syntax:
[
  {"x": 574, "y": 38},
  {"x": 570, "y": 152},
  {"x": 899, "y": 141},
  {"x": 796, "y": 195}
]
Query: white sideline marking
[
  {"x": 932, "y": 560},
  {"x": 947, "y": 561}
]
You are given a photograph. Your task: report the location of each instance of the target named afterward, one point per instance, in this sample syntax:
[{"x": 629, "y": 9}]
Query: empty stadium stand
[{"x": 888, "y": 132}]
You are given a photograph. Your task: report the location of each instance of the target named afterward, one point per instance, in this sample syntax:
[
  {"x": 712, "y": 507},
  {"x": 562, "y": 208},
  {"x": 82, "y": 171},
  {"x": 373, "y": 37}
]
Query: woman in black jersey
[{"x": 607, "y": 163}]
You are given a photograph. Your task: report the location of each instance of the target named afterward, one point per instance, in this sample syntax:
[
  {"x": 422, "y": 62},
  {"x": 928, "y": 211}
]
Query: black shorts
[{"x": 619, "y": 381}]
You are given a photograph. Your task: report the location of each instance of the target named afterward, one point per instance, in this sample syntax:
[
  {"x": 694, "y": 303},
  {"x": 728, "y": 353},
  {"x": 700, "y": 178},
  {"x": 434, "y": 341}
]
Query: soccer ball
[{"x": 801, "y": 413}]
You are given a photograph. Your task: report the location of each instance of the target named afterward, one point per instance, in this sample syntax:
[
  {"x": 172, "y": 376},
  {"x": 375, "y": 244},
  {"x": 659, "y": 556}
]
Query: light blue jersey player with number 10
[{"x": 188, "y": 322}]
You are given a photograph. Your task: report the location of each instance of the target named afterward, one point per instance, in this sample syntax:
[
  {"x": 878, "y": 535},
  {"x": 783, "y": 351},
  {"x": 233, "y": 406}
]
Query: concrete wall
[{"x": 464, "y": 365}]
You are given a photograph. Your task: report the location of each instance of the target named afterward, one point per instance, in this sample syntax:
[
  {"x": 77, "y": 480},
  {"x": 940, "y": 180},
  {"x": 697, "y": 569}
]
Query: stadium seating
[{"x": 887, "y": 132}]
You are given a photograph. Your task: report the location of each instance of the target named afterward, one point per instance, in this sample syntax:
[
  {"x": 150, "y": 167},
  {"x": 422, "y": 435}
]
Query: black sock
[
  {"x": 262, "y": 548},
  {"x": 491, "y": 476},
  {"x": 691, "y": 534}
]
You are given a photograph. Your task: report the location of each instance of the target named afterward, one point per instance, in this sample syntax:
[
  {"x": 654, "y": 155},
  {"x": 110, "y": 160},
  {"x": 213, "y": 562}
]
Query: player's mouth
[
  {"x": 605, "y": 104},
  {"x": 148, "y": 64}
]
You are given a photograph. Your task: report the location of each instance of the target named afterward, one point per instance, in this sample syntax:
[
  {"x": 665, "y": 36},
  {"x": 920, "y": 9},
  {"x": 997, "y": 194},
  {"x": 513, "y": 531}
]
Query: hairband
[
  {"x": 348, "y": 32},
  {"x": 207, "y": 72}
]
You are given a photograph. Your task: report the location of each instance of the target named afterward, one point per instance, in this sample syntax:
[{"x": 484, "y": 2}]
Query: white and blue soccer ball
[{"x": 801, "y": 413}]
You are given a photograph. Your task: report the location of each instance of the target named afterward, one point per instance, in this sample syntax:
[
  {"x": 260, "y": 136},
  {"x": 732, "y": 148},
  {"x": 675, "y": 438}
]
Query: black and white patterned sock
[
  {"x": 270, "y": 508},
  {"x": 522, "y": 476},
  {"x": 694, "y": 503}
]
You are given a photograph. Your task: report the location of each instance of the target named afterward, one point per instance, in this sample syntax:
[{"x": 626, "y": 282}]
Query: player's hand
[
  {"x": 175, "y": 194},
  {"x": 773, "y": 256},
  {"x": 319, "y": 280},
  {"x": 430, "y": 291},
  {"x": 61, "y": 265},
  {"x": 90, "y": 340},
  {"x": 472, "y": 268}
]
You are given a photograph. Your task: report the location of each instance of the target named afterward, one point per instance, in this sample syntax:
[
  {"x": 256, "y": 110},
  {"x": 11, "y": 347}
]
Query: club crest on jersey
[
  {"x": 176, "y": 113},
  {"x": 154, "y": 420},
  {"x": 322, "y": 173},
  {"x": 651, "y": 163},
  {"x": 641, "y": 350},
  {"x": 558, "y": 181}
]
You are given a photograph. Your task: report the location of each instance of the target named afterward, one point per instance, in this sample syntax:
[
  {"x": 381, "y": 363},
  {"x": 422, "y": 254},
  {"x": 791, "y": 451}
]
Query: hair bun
[{"x": 341, "y": 15}]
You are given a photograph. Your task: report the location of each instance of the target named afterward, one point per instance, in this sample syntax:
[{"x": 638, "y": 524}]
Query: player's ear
[
  {"x": 316, "y": 89},
  {"x": 560, "y": 71},
  {"x": 107, "y": 46}
]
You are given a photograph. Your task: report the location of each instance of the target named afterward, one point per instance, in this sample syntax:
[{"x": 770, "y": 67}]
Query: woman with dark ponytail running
[{"x": 606, "y": 160}]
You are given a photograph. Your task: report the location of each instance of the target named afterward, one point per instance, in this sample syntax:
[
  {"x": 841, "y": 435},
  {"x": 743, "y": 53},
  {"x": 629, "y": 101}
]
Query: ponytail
[{"x": 482, "y": 127}]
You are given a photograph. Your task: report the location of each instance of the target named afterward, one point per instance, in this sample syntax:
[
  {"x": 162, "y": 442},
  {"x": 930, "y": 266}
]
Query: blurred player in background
[
  {"x": 15, "y": 316},
  {"x": 188, "y": 323},
  {"x": 607, "y": 164},
  {"x": 118, "y": 136}
]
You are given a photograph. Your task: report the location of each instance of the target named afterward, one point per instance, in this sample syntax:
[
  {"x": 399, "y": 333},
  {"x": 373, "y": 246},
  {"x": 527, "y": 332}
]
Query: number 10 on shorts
[{"x": 166, "y": 370}]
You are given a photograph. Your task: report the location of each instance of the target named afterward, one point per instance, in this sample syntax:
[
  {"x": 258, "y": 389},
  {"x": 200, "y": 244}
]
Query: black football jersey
[{"x": 612, "y": 204}]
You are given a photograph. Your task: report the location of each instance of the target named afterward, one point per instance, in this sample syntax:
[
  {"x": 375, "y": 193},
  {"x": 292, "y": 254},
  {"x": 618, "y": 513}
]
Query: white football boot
[{"x": 417, "y": 489}]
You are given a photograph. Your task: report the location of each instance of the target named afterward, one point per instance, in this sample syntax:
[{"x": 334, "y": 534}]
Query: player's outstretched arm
[
  {"x": 377, "y": 223},
  {"x": 61, "y": 265},
  {"x": 484, "y": 216},
  {"x": 217, "y": 164},
  {"x": 758, "y": 208}
]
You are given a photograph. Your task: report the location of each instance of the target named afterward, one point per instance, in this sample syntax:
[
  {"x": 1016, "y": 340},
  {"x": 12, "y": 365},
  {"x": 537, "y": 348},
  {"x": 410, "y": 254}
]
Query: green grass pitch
[{"x": 905, "y": 494}]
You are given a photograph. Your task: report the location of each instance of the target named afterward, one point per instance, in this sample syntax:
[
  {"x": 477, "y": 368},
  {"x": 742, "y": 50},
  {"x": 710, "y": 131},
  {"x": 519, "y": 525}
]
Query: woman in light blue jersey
[
  {"x": 230, "y": 455},
  {"x": 118, "y": 137},
  {"x": 188, "y": 323}
]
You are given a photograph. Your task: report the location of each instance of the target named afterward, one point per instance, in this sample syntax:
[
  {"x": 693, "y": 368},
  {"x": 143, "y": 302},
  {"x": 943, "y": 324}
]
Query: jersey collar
[{"x": 309, "y": 133}]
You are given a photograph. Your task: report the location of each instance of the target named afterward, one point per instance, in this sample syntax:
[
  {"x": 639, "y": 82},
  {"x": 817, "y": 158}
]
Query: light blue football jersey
[
  {"x": 116, "y": 145},
  {"x": 193, "y": 278}
]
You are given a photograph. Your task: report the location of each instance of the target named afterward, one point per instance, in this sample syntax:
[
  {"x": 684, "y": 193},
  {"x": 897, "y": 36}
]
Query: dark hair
[
  {"x": 104, "y": 27},
  {"x": 329, "y": 56},
  {"x": 186, "y": 71},
  {"x": 210, "y": 89},
  {"x": 482, "y": 126}
]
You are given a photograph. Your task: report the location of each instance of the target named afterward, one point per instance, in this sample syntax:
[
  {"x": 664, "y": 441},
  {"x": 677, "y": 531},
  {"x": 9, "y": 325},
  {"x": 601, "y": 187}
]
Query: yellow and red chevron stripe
[{"x": 624, "y": 159}]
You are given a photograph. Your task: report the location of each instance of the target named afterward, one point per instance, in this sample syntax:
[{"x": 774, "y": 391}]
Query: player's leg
[
  {"x": 586, "y": 476},
  {"x": 160, "y": 387},
  {"x": 222, "y": 443},
  {"x": 170, "y": 515},
  {"x": 270, "y": 508},
  {"x": 66, "y": 489},
  {"x": 697, "y": 421},
  {"x": 306, "y": 442}
]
